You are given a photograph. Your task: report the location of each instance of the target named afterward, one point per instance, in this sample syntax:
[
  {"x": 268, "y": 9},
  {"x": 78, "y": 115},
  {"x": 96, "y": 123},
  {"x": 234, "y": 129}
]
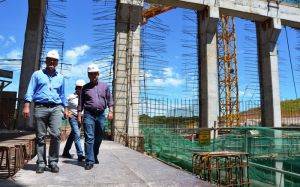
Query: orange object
[{"x": 156, "y": 10}]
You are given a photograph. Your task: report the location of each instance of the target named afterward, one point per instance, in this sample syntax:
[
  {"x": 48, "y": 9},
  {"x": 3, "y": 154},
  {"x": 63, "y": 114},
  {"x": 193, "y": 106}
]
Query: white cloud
[
  {"x": 7, "y": 41},
  {"x": 80, "y": 69},
  {"x": 168, "y": 78},
  {"x": 73, "y": 54},
  {"x": 77, "y": 70},
  {"x": 168, "y": 72},
  {"x": 12, "y": 39},
  {"x": 146, "y": 74},
  {"x": 167, "y": 82},
  {"x": 15, "y": 54},
  {"x": 11, "y": 64},
  {"x": 174, "y": 82},
  {"x": 159, "y": 82}
]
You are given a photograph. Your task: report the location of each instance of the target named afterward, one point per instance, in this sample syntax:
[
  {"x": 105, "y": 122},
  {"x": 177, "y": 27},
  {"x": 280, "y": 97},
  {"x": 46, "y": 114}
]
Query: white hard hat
[
  {"x": 53, "y": 54},
  {"x": 80, "y": 83},
  {"x": 92, "y": 68}
]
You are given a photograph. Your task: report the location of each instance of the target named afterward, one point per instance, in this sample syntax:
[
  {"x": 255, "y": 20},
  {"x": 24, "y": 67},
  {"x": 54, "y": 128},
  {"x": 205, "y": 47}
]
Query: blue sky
[{"x": 79, "y": 40}]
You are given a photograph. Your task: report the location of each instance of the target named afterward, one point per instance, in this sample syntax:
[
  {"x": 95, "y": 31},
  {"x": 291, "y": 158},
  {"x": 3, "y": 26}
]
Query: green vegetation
[
  {"x": 159, "y": 120},
  {"x": 290, "y": 107}
]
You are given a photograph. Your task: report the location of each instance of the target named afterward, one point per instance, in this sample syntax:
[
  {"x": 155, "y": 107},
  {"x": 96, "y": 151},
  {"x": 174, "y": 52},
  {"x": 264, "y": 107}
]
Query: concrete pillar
[
  {"x": 267, "y": 35},
  {"x": 126, "y": 68},
  {"x": 31, "y": 56},
  {"x": 207, "y": 59},
  {"x": 279, "y": 177}
]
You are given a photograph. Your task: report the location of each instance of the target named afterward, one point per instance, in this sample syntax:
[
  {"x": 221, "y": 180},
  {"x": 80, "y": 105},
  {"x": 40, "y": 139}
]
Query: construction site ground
[{"x": 119, "y": 166}]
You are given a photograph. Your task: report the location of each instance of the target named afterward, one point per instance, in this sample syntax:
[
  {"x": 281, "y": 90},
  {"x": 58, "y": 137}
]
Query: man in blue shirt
[
  {"x": 46, "y": 90},
  {"x": 95, "y": 97}
]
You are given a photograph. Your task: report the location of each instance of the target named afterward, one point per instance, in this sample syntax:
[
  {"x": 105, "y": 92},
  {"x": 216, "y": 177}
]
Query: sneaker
[
  {"x": 88, "y": 166},
  {"x": 54, "y": 168},
  {"x": 96, "y": 161},
  {"x": 66, "y": 155},
  {"x": 40, "y": 169},
  {"x": 80, "y": 158}
]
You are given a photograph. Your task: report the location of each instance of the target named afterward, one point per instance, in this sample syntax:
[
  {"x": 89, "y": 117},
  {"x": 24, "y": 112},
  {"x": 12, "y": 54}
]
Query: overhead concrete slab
[
  {"x": 255, "y": 10},
  {"x": 119, "y": 166}
]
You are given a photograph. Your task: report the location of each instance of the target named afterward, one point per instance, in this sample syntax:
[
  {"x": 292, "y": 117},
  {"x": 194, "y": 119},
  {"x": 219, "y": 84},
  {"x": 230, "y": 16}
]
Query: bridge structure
[{"x": 268, "y": 15}]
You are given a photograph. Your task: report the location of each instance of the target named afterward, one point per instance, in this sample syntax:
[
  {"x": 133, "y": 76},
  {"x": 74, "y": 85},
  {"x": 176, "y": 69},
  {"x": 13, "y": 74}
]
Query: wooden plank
[{"x": 6, "y": 73}]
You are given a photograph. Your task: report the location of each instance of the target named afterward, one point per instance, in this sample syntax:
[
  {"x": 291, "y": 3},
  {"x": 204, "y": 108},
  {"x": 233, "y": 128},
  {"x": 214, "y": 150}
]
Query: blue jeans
[
  {"x": 47, "y": 118},
  {"x": 74, "y": 136},
  {"x": 93, "y": 135}
]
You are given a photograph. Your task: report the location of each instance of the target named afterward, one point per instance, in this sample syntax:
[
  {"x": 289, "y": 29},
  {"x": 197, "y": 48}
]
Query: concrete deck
[
  {"x": 119, "y": 166},
  {"x": 255, "y": 10}
]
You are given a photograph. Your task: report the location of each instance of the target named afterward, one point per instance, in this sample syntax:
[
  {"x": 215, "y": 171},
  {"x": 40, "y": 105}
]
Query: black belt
[
  {"x": 94, "y": 112},
  {"x": 48, "y": 105}
]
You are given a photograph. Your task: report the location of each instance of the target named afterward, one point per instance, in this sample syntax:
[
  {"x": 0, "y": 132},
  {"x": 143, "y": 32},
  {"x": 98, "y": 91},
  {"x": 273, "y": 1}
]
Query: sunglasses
[
  {"x": 51, "y": 60},
  {"x": 93, "y": 73}
]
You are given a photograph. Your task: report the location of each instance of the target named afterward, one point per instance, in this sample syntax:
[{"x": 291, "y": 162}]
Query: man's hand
[
  {"x": 26, "y": 111},
  {"x": 70, "y": 114},
  {"x": 79, "y": 121},
  {"x": 110, "y": 116},
  {"x": 66, "y": 113}
]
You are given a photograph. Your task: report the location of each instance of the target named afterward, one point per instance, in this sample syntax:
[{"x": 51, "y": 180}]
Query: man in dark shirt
[{"x": 95, "y": 97}]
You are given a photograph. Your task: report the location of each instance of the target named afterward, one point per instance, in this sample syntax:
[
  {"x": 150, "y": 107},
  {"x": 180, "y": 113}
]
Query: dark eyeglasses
[
  {"x": 93, "y": 73},
  {"x": 51, "y": 60}
]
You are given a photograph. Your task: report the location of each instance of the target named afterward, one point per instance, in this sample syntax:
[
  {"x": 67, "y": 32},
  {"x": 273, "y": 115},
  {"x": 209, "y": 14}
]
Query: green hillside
[{"x": 289, "y": 107}]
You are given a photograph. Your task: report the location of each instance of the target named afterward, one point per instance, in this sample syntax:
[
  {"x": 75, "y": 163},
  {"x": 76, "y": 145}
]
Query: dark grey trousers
[{"x": 51, "y": 118}]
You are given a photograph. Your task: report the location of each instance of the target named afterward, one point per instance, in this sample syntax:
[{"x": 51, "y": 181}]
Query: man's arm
[
  {"x": 110, "y": 104},
  {"x": 26, "y": 110},
  {"x": 29, "y": 95},
  {"x": 64, "y": 99},
  {"x": 80, "y": 106}
]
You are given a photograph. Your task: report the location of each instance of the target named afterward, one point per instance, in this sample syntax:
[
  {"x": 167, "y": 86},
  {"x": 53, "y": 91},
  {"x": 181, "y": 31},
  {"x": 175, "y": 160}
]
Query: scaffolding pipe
[{"x": 274, "y": 169}]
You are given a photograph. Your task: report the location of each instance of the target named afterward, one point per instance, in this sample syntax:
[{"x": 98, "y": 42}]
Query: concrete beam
[
  {"x": 255, "y": 10},
  {"x": 267, "y": 36},
  {"x": 189, "y": 4},
  {"x": 6, "y": 74}
]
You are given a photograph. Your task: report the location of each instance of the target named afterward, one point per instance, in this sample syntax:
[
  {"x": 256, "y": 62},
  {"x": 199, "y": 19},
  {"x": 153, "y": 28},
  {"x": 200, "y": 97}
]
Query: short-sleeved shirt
[{"x": 73, "y": 102}]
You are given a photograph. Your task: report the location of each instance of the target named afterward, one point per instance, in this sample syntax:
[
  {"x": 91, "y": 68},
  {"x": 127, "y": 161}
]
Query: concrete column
[
  {"x": 279, "y": 177},
  {"x": 31, "y": 55},
  {"x": 267, "y": 35},
  {"x": 126, "y": 69},
  {"x": 207, "y": 59}
]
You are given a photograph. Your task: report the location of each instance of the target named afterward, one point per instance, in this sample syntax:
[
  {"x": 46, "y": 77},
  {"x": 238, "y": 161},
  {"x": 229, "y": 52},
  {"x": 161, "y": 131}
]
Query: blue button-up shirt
[{"x": 44, "y": 88}]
